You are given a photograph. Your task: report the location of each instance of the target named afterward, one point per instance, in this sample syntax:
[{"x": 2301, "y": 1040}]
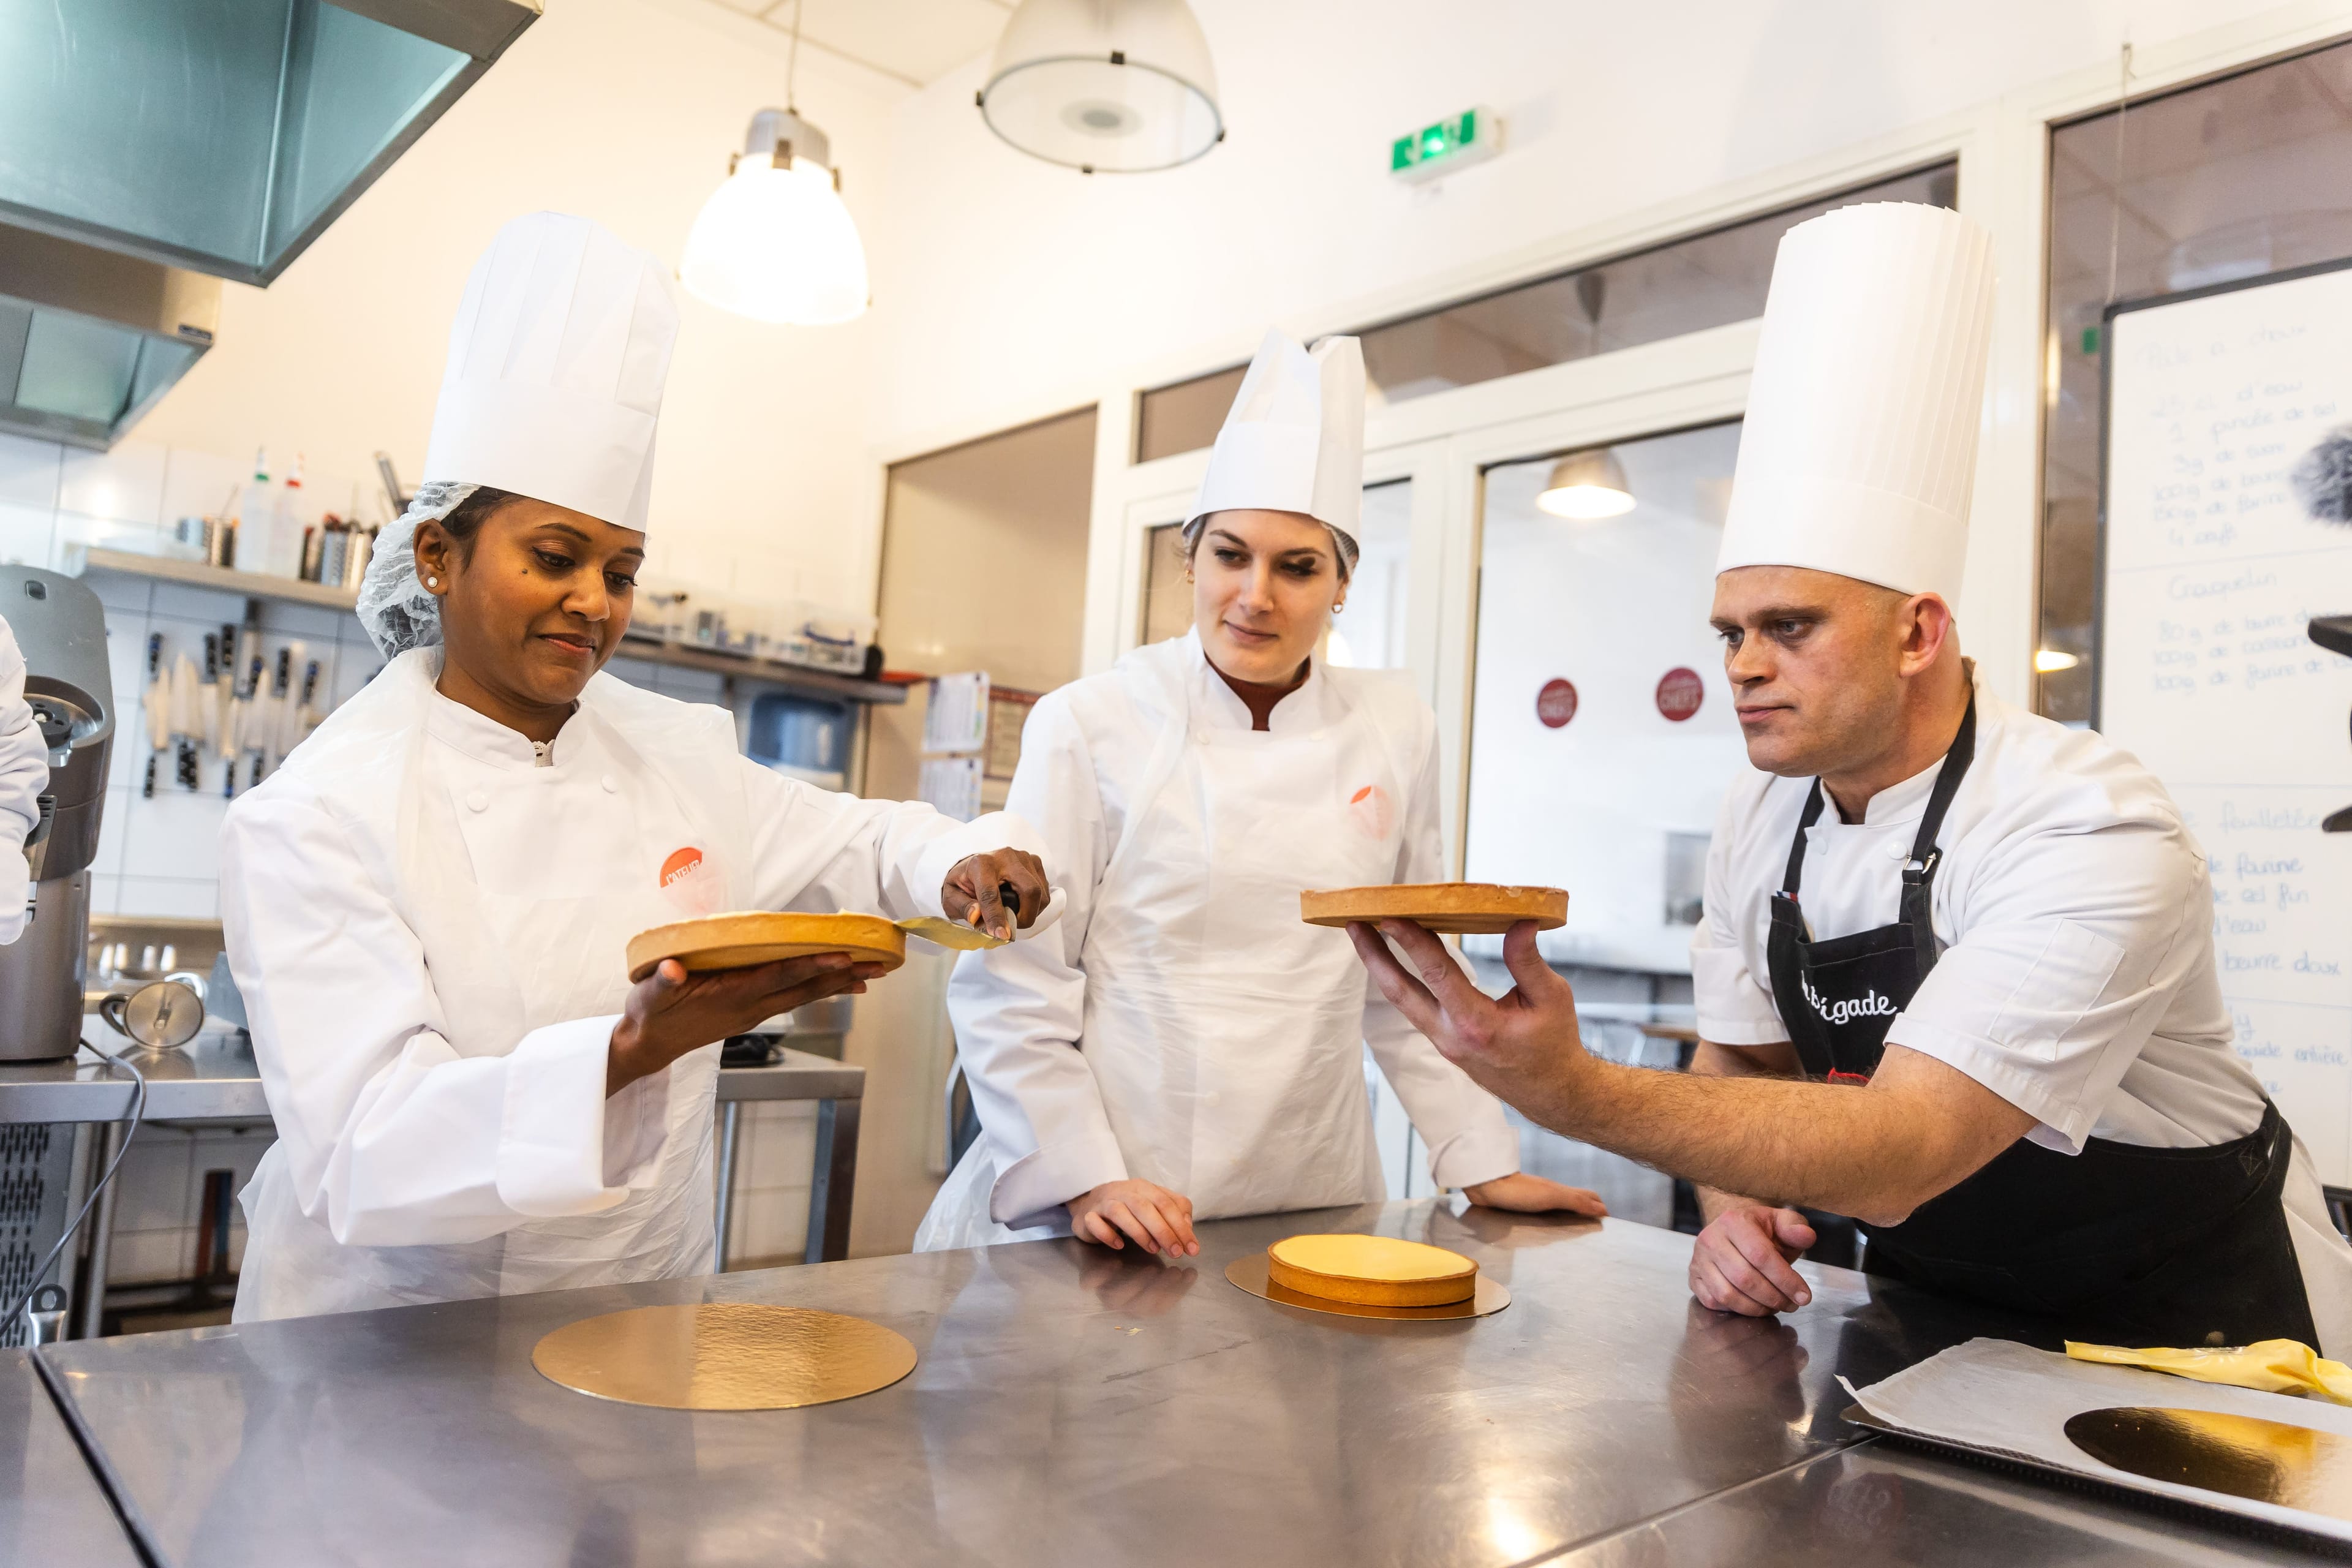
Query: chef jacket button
[
  {"x": 478, "y": 801},
  {"x": 612, "y": 784},
  {"x": 1898, "y": 850}
]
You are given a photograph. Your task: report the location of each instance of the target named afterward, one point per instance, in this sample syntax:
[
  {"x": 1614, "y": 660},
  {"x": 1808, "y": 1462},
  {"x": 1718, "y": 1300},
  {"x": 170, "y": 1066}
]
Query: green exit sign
[{"x": 1470, "y": 137}]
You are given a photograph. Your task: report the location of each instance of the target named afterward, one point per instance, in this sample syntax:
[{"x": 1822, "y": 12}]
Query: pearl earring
[{"x": 433, "y": 582}]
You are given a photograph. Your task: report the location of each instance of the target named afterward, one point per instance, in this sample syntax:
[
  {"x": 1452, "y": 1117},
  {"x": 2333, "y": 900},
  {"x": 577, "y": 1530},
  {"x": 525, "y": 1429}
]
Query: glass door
[{"x": 1601, "y": 739}]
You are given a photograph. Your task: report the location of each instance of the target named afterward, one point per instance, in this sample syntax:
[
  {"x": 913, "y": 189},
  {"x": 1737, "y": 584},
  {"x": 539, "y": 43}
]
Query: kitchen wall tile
[
  {"x": 691, "y": 685},
  {"x": 314, "y": 623},
  {"x": 151, "y": 1186},
  {"x": 122, "y": 591},
  {"x": 105, "y": 895},
  {"x": 767, "y": 1226},
  {"x": 636, "y": 671},
  {"x": 210, "y": 608},
  {"x": 29, "y": 472},
  {"x": 354, "y": 668},
  {"x": 175, "y": 834},
  {"x": 80, "y": 531},
  {"x": 124, "y": 485},
  {"x": 780, "y": 1140},
  {"x": 200, "y": 484},
  {"x": 168, "y": 896},
  {"x": 149, "y": 1258},
  {"x": 26, "y": 534}
]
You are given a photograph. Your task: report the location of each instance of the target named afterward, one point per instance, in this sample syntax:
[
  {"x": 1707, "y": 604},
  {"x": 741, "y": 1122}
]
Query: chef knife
[{"x": 151, "y": 704}]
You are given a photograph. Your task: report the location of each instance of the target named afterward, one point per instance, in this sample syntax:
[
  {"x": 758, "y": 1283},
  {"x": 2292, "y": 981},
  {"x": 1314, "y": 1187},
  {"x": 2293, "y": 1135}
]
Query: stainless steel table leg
[
  {"x": 833, "y": 1182},
  {"x": 101, "y": 1234},
  {"x": 730, "y": 1119}
]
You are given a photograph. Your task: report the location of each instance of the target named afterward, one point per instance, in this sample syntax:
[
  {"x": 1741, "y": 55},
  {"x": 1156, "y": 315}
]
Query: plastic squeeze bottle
[{"x": 257, "y": 517}]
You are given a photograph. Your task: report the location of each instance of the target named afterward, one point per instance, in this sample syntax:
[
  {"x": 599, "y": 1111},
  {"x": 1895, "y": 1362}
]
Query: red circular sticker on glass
[
  {"x": 1680, "y": 691},
  {"x": 1556, "y": 703}
]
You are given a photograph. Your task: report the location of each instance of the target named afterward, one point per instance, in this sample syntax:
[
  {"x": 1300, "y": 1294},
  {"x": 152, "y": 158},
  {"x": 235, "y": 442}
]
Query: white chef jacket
[
  {"x": 2072, "y": 914},
  {"x": 1022, "y": 1014},
  {"x": 24, "y": 774},
  {"x": 430, "y": 1147}
]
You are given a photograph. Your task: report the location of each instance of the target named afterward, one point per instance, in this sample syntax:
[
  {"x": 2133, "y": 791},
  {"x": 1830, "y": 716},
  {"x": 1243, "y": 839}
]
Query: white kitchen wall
[
  {"x": 624, "y": 111},
  {"x": 1014, "y": 288}
]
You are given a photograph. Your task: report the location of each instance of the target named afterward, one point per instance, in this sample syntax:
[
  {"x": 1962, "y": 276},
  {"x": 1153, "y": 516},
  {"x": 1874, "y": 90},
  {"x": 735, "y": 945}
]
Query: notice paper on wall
[
  {"x": 2228, "y": 525},
  {"x": 951, "y": 785},
  {"x": 955, "y": 718}
]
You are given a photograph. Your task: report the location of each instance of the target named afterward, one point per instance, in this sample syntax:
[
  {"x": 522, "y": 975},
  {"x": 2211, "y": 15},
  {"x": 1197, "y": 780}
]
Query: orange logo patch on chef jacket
[
  {"x": 1371, "y": 812},
  {"x": 691, "y": 884}
]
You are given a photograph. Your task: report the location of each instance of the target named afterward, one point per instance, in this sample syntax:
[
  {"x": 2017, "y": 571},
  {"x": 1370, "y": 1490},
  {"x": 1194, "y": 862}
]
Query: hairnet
[
  {"x": 394, "y": 606},
  {"x": 1341, "y": 540}
]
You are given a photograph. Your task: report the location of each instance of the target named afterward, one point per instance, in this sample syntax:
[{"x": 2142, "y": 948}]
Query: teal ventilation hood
[
  {"x": 89, "y": 339},
  {"x": 224, "y": 136}
]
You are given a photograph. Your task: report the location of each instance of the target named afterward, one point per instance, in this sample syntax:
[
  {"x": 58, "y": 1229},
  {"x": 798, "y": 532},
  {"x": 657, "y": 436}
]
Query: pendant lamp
[
  {"x": 1104, "y": 86},
  {"x": 774, "y": 242},
  {"x": 1587, "y": 486}
]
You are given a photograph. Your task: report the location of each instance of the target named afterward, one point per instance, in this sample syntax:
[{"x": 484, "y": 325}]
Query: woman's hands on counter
[
  {"x": 1522, "y": 1194},
  {"x": 1158, "y": 1219},
  {"x": 671, "y": 1011},
  {"x": 969, "y": 893},
  {"x": 1741, "y": 1261}
]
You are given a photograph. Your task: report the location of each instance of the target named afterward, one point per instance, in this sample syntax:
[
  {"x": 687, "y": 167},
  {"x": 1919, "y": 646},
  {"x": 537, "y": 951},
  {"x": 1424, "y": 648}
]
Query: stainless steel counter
[
  {"x": 1072, "y": 1407},
  {"x": 51, "y": 1510},
  {"x": 214, "y": 1079},
  {"x": 1877, "y": 1503}
]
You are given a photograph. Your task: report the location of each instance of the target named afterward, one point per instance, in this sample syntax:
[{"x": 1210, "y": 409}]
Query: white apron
[
  {"x": 507, "y": 959},
  {"x": 1225, "y": 1035}
]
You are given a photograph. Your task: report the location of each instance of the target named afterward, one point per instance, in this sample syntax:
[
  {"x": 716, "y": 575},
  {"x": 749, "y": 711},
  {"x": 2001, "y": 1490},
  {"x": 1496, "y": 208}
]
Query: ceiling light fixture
[
  {"x": 1587, "y": 486},
  {"x": 1114, "y": 87},
  {"x": 774, "y": 242}
]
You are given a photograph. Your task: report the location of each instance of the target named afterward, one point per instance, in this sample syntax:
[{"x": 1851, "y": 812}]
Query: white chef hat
[
  {"x": 1294, "y": 440},
  {"x": 557, "y": 361},
  {"x": 1859, "y": 451}
]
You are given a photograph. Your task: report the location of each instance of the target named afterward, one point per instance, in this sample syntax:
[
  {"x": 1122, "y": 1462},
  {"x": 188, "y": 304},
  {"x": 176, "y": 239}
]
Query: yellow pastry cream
[{"x": 1371, "y": 1270}]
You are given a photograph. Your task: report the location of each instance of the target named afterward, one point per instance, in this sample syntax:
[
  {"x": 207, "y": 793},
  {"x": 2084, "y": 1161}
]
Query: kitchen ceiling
[{"x": 917, "y": 41}]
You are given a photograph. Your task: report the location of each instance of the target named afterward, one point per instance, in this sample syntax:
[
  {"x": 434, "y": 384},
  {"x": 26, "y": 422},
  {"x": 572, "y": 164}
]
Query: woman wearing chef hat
[
  {"x": 1955, "y": 978},
  {"x": 427, "y": 907},
  {"x": 1185, "y": 1047}
]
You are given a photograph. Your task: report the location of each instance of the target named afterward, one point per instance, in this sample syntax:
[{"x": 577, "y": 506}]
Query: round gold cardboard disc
[
  {"x": 724, "y": 1355},
  {"x": 2244, "y": 1456},
  {"x": 1250, "y": 1274}
]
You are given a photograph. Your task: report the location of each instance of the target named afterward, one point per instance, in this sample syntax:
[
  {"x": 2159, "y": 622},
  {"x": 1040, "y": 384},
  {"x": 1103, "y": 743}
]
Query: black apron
[{"x": 2117, "y": 1244}]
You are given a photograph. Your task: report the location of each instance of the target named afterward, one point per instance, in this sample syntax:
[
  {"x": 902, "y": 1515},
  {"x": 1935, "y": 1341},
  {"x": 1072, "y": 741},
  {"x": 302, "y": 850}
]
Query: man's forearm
[
  {"x": 1711, "y": 1061},
  {"x": 1873, "y": 1153}
]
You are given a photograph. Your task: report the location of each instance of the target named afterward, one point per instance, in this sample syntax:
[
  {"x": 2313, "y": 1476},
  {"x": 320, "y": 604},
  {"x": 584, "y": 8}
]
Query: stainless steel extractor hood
[
  {"x": 224, "y": 135},
  {"x": 89, "y": 340}
]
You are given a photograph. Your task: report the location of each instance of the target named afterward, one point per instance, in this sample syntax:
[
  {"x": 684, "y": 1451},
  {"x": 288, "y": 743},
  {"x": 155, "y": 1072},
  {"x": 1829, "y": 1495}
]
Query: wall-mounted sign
[
  {"x": 1556, "y": 703},
  {"x": 1680, "y": 691},
  {"x": 1470, "y": 137}
]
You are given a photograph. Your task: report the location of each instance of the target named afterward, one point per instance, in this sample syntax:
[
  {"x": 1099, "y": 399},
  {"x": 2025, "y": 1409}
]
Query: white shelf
[{"x": 199, "y": 575}]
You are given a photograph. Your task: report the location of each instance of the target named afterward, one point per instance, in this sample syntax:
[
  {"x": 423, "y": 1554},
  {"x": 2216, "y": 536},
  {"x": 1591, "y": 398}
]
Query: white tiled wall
[{"x": 159, "y": 855}]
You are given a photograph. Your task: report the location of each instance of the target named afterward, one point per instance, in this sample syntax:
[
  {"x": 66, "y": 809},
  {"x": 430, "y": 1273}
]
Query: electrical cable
[{"x": 138, "y": 1111}]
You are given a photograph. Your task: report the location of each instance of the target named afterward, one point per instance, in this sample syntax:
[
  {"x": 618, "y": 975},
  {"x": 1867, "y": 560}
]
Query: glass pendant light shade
[
  {"x": 774, "y": 242},
  {"x": 1587, "y": 486},
  {"x": 1104, "y": 86}
]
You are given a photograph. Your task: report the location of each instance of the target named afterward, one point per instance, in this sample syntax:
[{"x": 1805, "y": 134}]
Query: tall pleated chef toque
[
  {"x": 1295, "y": 439},
  {"x": 556, "y": 364},
  {"x": 1860, "y": 448}
]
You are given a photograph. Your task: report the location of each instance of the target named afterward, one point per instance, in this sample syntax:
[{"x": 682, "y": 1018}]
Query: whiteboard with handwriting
[{"x": 2220, "y": 408}]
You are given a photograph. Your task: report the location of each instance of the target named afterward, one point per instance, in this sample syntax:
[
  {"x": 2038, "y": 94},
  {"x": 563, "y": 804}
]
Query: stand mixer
[{"x": 61, "y": 628}]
